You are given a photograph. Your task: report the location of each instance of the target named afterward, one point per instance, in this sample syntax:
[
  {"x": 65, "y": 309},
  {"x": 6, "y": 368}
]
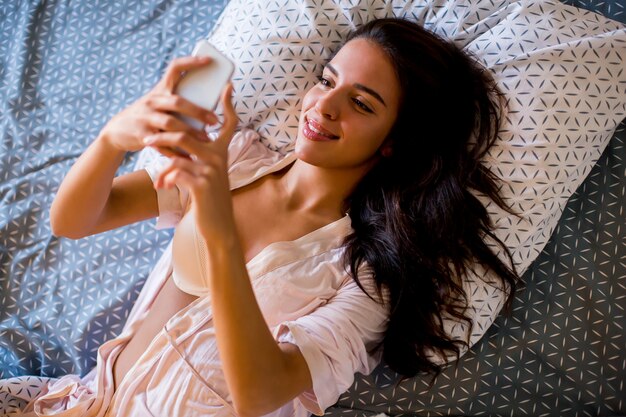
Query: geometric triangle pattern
[
  {"x": 65, "y": 74},
  {"x": 66, "y": 70},
  {"x": 566, "y": 95},
  {"x": 563, "y": 82}
]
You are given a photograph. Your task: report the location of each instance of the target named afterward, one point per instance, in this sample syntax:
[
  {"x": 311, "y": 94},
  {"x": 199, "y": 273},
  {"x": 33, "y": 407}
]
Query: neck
[{"x": 311, "y": 189}]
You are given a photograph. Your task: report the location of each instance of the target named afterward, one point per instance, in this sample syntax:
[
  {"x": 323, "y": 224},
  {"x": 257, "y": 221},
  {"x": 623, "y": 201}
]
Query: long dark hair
[{"x": 415, "y": 222}]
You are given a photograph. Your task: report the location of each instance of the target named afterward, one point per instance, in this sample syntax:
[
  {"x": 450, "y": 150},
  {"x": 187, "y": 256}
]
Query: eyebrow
[{"x": 359, "y": 86}]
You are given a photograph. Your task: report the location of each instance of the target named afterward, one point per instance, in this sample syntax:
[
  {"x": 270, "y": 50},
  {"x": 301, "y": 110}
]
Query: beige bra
[
  {"x": 189, "y": 251},
  {"x": 189, "y": 258}
]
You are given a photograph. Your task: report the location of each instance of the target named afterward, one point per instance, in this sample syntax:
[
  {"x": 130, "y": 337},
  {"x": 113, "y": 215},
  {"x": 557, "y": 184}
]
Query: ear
[{"x": 386, "y": 150}]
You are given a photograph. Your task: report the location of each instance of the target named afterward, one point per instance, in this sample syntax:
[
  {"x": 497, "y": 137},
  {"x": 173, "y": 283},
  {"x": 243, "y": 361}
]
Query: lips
[{"x": 317, "y": 128}]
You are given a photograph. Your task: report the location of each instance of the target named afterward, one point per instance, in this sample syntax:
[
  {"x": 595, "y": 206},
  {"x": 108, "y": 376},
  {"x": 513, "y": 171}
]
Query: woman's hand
[
  {"x": 204, "y": 174},
  {"x": 151, "y": 113}
]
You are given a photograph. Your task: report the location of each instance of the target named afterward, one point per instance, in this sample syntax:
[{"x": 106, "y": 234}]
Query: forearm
[
  {"x": 255, "y": 367},
  {"x": 85, "y": 190}
]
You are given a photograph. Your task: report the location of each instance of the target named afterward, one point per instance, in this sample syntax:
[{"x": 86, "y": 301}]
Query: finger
[
  {"x": 173, "y": 177},
  {"x": 166, "y": 178},
  {"x": 179, "y": 142},
  {"x": 162, "y": 122},
  {"x": 178, "y": 104},
  {"x": 176, "y": 163},
  {"x": 169, "y": 152},
  {"x": 174, "y": 72},
  {"x": 230, "y": 119},
  {"x": 184, "y": 179}
]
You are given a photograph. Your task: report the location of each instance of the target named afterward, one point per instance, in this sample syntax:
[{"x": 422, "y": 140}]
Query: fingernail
[{"x": 149, "y": 139}]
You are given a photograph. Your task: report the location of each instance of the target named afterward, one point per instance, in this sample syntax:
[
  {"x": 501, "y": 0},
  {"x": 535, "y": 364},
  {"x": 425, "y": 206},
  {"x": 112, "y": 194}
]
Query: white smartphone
[{"x": 203, "y": 86}]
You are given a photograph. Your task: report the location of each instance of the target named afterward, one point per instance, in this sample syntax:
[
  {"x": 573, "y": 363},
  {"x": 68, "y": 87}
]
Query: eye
[
  {"x": 361, "y": 105},
  {"x": 323, "y": 81},
  {"x": 326, "y": 83}
]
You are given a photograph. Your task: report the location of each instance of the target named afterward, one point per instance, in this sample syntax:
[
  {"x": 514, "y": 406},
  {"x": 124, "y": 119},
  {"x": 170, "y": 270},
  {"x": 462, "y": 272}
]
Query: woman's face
[{"x": 354, "y": 104}]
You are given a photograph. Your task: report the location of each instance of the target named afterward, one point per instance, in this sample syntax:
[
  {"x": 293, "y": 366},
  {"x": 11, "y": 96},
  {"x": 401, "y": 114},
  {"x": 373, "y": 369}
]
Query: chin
[
  {"x": 309, "y": 154},
  {"x": 303, "y": 151}
]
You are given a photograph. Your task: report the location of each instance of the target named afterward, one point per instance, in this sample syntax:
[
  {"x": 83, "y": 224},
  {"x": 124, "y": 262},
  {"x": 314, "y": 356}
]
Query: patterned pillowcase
[{"x": 560, "y": 67}]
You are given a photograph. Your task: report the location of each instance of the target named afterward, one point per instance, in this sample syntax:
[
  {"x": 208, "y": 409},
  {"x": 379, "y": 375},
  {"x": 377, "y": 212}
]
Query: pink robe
[{"x": 303, "y": 290}]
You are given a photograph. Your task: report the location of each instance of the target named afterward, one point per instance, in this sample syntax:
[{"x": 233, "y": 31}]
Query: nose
[{"x": 327, "y": 105}]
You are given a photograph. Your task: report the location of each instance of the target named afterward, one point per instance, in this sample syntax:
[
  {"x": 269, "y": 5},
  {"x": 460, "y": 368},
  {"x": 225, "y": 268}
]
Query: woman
[{"x": 315, "y": 264}]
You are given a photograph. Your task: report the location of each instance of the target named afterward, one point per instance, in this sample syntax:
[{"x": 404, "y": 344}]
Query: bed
[{"x": 67, "y": 68}]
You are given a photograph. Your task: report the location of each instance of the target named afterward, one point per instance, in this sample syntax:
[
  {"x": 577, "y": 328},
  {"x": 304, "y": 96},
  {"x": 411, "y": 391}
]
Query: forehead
[{"x": 364, "y": 62}]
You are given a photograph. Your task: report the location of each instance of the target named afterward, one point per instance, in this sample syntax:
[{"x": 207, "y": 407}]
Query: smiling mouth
[{"x": 316, "y": 132}]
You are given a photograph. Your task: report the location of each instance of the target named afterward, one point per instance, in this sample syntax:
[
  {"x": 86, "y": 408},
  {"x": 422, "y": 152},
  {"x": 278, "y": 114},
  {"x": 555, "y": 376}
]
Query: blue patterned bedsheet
[{"x": 67, "y": 68}]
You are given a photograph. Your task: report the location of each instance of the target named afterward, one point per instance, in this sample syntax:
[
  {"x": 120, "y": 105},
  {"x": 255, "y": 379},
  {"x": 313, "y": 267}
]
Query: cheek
[
  {"x": 309, "y": 100},
  {"x": 383, "y": 130},
  {"x": 373, "y": 135}
]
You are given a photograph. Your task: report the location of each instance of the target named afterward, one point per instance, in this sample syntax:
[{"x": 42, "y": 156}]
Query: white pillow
[{"x": 561, "y": 68}]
